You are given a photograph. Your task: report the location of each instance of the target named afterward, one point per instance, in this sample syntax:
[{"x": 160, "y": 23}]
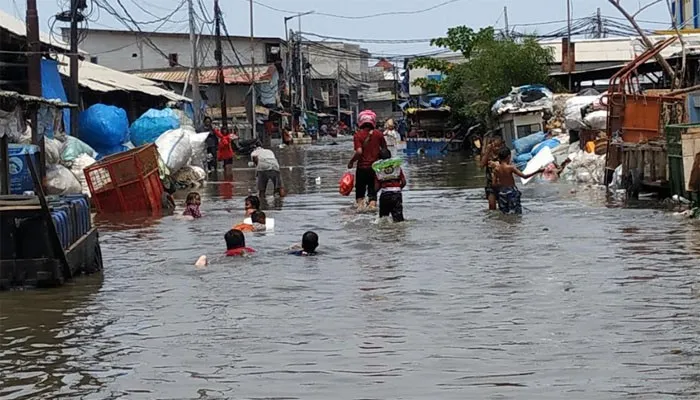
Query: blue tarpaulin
[{"x": 52, "y": 87}]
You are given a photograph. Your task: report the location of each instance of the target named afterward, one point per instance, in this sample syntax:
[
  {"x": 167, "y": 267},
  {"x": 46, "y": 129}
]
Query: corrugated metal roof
[
  {"x": 208, "y": 76},
  {"x": 103, "y": 79},
  {"x": 19, "y": 28}
]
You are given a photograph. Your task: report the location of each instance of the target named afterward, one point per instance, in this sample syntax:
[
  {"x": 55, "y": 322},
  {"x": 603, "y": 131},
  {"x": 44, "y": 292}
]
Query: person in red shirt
[
  {"x": 235, "y": 244},
  {"x": 368, "y": 142},
  {"x": 225, "y": 151}
]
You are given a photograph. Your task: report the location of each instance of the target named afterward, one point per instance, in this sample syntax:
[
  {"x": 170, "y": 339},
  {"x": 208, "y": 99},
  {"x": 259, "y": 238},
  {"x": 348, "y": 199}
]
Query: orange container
[
  {"x": 126, "y": 182},
  {"x": 642, "y": 119}
]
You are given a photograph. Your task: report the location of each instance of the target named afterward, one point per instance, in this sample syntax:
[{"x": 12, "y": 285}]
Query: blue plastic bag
[
  {"x": 103, "y": 126},
  {"x": 522, "y": 158},
  {"x": 526, "y": 144},
  {"x": 152, "y": 124},
  {"x": 103, "y": 152},
  {"x": 551, "y": 143}
]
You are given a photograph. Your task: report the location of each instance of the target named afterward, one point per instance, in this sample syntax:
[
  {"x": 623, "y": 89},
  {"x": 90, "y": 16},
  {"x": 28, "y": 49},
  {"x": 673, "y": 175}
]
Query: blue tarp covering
[{"x": 52, "y": 87}]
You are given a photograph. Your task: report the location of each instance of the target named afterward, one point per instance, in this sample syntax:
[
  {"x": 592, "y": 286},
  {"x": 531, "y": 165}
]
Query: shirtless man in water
[{"x": 507, "y": 193}]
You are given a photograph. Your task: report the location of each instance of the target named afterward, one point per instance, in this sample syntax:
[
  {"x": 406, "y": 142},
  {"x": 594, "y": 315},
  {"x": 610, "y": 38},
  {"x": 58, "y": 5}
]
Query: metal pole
[
  {"x": 568, "y": 35},
  {"x": 220, "y": 68},
  {"x": 196, "y": 99},
  {"x": 253, "y": 97},
  {"x": 74, "y": 82},
  {"x": 599, "y": 23},
  {"x": 287, "y": 71},
  {"x": 301, "y": 68},
  {"x": 34, "y": 75},
  {"x": 505, "y": 18},
  {"x": 337, "y": 89}
]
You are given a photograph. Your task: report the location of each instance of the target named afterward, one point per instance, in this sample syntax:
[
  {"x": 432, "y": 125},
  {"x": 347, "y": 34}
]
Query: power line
[
  {"x": 376, "y": 41},
  {"x": 382, "y": 14}
]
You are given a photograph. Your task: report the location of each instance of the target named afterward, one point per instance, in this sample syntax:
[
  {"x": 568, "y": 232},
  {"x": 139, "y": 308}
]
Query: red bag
[{"x": 347, "y": 183}]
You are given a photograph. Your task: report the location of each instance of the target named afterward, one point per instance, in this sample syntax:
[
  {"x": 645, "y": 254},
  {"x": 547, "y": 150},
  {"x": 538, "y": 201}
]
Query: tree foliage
[{"x": 492, "y": 66}]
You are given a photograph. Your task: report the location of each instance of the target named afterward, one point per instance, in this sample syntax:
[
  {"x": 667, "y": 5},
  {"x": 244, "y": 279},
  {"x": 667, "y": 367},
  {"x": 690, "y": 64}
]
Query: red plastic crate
[{"x": 126, "y": 182}]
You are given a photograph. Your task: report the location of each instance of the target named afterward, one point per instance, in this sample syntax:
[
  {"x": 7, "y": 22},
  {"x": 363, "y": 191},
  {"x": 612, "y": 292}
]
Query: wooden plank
[{"x": 4, "y": 166}]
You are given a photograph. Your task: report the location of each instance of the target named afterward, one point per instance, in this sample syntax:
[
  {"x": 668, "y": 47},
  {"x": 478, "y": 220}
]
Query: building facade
[{"x": 135, "y": 51}]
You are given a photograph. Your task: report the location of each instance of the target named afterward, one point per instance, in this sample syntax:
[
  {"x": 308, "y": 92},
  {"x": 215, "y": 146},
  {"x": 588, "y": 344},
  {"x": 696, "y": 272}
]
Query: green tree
[{"x": 492, "y": 66}]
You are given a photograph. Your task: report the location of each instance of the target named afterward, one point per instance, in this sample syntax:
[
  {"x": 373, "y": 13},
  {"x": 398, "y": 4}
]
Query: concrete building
[
  {"x": 685, "y": 13},
  {"x": 333, "y": 67},
  {"x": 133, "y": 51}
]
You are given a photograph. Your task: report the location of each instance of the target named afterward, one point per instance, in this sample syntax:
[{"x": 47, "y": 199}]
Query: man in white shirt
[{"x": 267, "y": 168}]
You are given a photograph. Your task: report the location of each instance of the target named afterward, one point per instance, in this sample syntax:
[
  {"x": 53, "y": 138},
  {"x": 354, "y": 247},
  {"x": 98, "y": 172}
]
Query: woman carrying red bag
[{"x": 368, "y": 142}]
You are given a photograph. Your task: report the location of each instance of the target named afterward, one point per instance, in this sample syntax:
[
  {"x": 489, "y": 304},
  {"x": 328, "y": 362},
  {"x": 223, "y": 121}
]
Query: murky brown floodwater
[{"x": 575, "y": 300}]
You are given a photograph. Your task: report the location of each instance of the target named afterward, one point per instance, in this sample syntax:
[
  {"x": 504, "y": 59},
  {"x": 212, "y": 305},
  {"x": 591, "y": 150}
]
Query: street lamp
[{"x": 288, "y": 62}]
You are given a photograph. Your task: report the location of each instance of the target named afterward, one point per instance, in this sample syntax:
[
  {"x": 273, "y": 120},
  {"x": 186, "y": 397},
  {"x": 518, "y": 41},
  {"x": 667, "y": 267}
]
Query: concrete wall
[
  {"x": 126, "y": 51},
  {"x": 325, "y": 60}
]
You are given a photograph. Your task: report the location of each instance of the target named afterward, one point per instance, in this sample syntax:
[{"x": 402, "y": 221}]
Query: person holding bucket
[{"x": 368, "y": 143}]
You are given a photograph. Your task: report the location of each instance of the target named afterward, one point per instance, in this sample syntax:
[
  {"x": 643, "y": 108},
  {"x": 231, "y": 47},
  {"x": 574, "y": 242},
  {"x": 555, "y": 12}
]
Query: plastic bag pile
[
  {"x": 585, "y": 168},
  {"x": 586, "y": 111},
  {"x": 527, "y": 148},
  {"x": 524, "y": 97}
]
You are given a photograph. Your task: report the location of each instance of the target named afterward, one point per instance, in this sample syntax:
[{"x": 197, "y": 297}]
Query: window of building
[
  {"x": 524, "y": 130},
  {"x": 172, "y": 60},
  {"x": 93, "y": 59}
]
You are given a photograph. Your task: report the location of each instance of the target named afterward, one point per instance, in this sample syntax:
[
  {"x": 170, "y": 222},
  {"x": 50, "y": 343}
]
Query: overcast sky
[{"x": 429, "y": 24}]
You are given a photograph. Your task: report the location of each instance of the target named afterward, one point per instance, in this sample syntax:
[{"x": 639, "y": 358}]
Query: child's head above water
[
  {"x": 258, "y": 217},
  {"x": 235, "y": 239},
  {"x": 384, "y": 154},
  {"x": 193, "y": 198},
  {"x": 309, "y": 242},
  {"x": 252, "y": 203},
  {"x": 504, "y": 154}
]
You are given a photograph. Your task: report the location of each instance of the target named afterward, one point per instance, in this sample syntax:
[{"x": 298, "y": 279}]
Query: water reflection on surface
[{"x": 573, "y": 300}]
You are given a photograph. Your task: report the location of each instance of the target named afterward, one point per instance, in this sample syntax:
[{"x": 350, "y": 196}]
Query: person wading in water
[{"x": 368, "y": 143}]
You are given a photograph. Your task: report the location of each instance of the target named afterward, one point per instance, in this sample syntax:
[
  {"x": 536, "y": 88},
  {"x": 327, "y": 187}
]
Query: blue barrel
[
  {"x": 82, "y": 205},
  {"x": 69, "y": 217},
  {"x": 61, "y": 220}
]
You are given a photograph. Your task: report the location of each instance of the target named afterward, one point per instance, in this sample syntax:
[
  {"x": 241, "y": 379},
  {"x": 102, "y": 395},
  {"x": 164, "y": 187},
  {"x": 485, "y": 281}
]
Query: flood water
[{"x": 577, "y": 299}]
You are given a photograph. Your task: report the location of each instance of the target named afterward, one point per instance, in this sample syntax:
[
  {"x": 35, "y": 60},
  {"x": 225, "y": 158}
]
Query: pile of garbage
[
  {"x": 528, "y": 147},
  {"x": 586, "y": 110},
  {"x": 583, "y": 166},
  {"x": 105, "y": 131},
  {"x": 523, "y": 98}
]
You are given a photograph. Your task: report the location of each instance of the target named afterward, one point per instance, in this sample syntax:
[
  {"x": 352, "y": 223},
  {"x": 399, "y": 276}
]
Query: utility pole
[
  {"x": 599, "y": 20},
  {"x": 34, "y": 75},
  {"x": 568, "y": 42},
  {"x": 196, "y": 99},
  {"x": 74, "y": 81},
  {"x": 301, "y": 70},
  {"x": 337, "y": 89},
  {"x": 220, "y": 68},
  {"x": 253, "y": 97},
  {"x": 287, "y": 72},
  {"x": 505, "y": 19}
]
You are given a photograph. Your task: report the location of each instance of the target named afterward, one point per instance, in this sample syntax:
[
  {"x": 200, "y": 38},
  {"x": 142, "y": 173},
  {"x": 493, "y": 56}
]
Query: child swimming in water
[
  {"x": 391, "y": 181},
  {"x": 192, "y": 205},
  {"x": 507, "y": 194},
  {"x": 258, "y": 220},
  {"x": 309, "y": 244},
  {"x": 235, "y": 244}
]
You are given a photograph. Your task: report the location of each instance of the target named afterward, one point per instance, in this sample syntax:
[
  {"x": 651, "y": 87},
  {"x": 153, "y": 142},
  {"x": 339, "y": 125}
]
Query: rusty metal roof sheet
[
  {"x": 208, "y": 76},
  {"x": 103, "y": 79}
]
